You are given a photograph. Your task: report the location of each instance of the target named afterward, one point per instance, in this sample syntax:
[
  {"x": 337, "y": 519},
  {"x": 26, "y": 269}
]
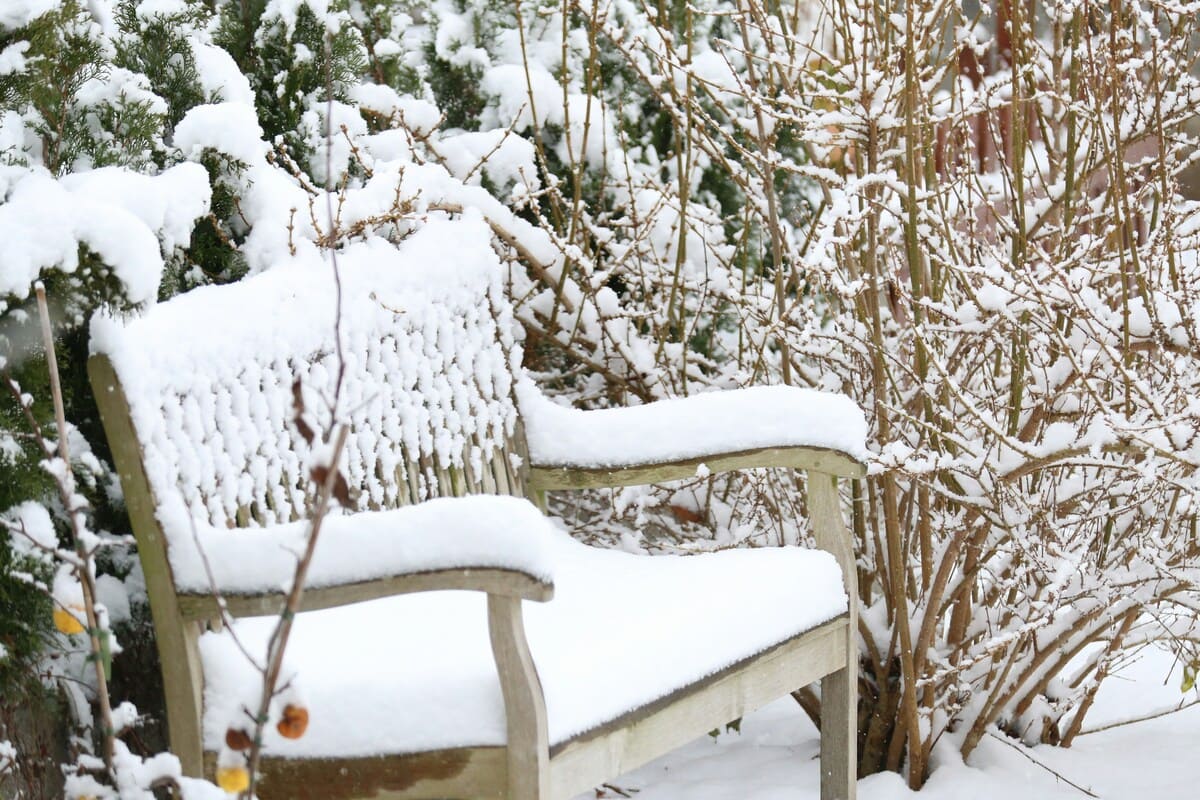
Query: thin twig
[
  {"x": 1155, "y": 715},
  {"x": 222, "y": 607},
  {"x": 279, "y": 638},
  {"x": 1056, "y": 774},
  {"x": 277, "y": 644},
  {"x": 65, "y": 480}
]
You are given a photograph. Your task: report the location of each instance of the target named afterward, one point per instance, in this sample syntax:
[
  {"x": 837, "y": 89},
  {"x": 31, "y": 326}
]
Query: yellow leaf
[
  {"x": 233, "y": 779},
  {"x": 67, "y": 622}
]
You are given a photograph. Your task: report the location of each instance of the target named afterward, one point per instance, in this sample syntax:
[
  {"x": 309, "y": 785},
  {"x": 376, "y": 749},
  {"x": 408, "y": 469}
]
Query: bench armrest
[
  {"x": 498, "y": 582},
  {"x": 491, "y": 544},
  {"x": 766, "y": 426}
]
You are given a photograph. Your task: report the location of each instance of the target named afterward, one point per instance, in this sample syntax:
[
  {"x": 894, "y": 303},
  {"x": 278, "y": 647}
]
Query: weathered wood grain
[
  {"x": 815, "y": 459},
  {"x": 527, "y": 769},
  {"x": 648, "y": 732},
  {"x": 498, "y": 582},
  {"x": 473, "y": 773},
  {"x": 524, "y": 706},
  {"x": 839, "y": 690},
  {"x": 176, "y": 638}
]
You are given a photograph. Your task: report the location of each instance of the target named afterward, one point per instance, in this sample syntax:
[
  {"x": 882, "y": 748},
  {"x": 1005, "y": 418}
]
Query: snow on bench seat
[
  {"x": 480, "y": 532},
  {"x": 701, "y": 425},
  {"x": 415, "y": 672}
]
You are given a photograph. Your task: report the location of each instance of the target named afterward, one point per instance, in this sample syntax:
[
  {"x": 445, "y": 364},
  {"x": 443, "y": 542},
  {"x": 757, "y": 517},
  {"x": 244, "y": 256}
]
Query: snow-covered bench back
[{"x": 427, "y": 382}]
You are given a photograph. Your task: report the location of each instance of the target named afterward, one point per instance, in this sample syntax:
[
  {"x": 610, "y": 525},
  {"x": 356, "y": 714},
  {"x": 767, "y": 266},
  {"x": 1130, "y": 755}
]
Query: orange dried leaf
[
  {"x": 684, "y": 514},
  {"x": 294, "y": 722}
]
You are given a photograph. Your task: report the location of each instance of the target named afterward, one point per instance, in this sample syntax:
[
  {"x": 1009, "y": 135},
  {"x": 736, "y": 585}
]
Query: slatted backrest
[{"x": 427, "y": 363}]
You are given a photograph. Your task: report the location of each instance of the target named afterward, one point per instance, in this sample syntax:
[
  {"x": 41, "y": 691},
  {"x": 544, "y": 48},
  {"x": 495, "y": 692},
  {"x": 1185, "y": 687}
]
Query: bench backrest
[
  {"x": 197, "y": 399},
  {"x": 427, "y": 370}
]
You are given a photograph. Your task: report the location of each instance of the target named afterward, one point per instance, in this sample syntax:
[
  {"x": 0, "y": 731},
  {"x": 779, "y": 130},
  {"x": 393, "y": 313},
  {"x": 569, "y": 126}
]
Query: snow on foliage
[
  {"x": 20, "y": 13},
  {"x": 229, "y": 128},
  {"x": 124, "y": 218}
]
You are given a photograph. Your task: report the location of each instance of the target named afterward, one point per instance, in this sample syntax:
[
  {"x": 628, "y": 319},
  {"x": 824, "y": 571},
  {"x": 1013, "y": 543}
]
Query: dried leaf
[
  {"x": 341, "y": 489},
  {"x": 237, "y": 739},
  {"x": 684, "y": 514},
  {"x": 305, "y": 431},
  {"x": 294, "y": 722},
  {"x": 303, "y": 428}
]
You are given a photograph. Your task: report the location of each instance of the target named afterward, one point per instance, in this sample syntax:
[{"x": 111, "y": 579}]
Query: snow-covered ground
[{"x": 775, "y": 756}]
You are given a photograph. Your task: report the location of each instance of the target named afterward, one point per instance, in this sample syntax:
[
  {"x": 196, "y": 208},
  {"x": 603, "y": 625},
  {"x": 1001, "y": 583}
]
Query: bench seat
[{"x": 415, "y": 672}]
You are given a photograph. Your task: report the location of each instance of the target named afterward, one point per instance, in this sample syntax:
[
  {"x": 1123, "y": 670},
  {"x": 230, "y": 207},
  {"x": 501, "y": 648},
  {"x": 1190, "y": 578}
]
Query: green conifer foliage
[
  {"x": 289, "y": 64},
  {"x": 24, "y": 612},
  {"x": 454, "y": 72},
  {"x": 157, "y": 46},
  {"x": 457, "y": 91},
  {"x": 382, "y": 26},
  {"x": 84, "y": 103},
  {"x": 86, "y": 111}
]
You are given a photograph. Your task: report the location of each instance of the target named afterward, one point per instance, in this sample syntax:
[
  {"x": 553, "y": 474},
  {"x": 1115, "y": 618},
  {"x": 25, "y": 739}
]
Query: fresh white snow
[
  {"x": 231, "y": 128},
  {"x": 427, "y": 339},
  {"x": 416, "y": 672},
  {"x": 774, "y": 757},
  {"x": 430, "y": 367},
  {"x": 705, "y": 424},
  {"x": 484, "y": 531},
  {"x": 119, "y": 215}
]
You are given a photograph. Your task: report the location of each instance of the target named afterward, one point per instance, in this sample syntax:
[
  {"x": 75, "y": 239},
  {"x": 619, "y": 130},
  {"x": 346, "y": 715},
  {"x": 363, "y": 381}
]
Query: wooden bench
[{"x": 196, "y": 397}]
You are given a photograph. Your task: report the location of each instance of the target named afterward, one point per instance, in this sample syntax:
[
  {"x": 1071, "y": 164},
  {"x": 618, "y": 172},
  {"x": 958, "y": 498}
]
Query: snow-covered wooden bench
[{"x": 618, "y": 659}]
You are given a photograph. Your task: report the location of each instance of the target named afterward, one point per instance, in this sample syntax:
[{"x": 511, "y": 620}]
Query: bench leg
[
  {"x": 179, "y": 657},
  {"x": 839, "y": 690},
  {"x": 839, "y": 734},
  {"x": 524, "y": 706}
]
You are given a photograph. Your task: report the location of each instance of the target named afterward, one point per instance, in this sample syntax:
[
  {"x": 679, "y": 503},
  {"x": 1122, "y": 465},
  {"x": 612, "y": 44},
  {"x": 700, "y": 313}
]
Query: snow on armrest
[
  {"x": 481, "y": 532},
  {"x": 702, "y": 425}
]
